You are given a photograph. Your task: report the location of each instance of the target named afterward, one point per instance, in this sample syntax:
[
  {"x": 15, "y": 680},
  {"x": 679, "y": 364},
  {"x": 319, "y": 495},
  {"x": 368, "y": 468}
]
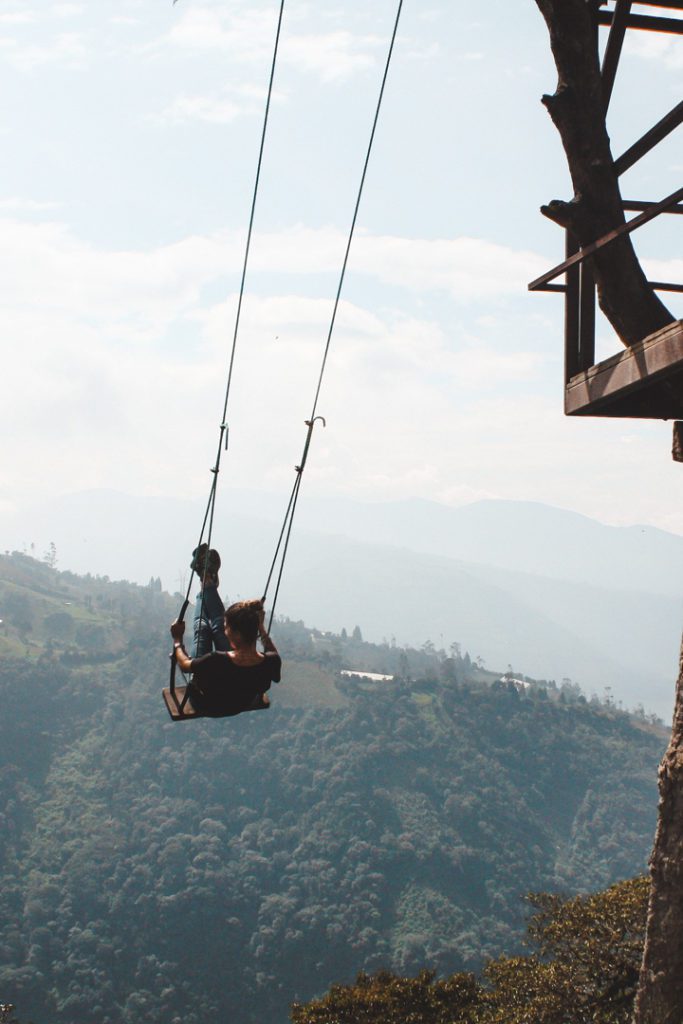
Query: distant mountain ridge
[
  {"x": 554, "y": 591},
  {"x": 519, "y": 535}
]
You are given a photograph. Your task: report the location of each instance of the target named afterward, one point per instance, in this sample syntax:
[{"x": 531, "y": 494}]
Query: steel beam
[
  {"x": 593, "y": 247},
  {"x": 650, "y": 139},
  {"x": 615, "y": 41},
  {"x": 647, "y": 22}
]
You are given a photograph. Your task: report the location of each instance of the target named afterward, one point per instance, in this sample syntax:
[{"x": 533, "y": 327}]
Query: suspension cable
[
  {"x": 286, "y": 530},
  {"x": 357, "y": 206},
  {"x": 223, "y": 435}
]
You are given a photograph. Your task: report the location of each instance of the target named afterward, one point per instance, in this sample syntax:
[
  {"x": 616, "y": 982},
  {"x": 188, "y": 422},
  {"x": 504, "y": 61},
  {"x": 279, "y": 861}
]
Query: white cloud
[
  {"x": 670, "y": 271},
  {"x": 144, "y": 287},
  {"x": 467, "y": 268},
  {"x": 156, "y": 284},
  {"x": 425, "y": 53},
  {"x": 249, "y": 35},
  {"x": 332, "y": 55},
  {"x": 203, "y": 108},
  {"x": 664, "y": 49},
  {"x": 125, "y": 338},
  {"x": 24, "y": 17},
  {"x": 442, "y": 376},
  {"x": 68, "y": 10},
  {"x": 398, "y": 396},
  {"x": 485, "y": 368},
  {"x": 66, "y": 49},
  {"x": 664, "y": 270},
  {"x": 125, "y": 364},
  {"x": 232, "y": 103},
  {"x": 17, "y": 204}
]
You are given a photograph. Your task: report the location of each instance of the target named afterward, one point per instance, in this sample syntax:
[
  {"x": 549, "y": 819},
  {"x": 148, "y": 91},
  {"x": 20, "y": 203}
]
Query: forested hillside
[
  {"x": 581, "y": 967},
  {"x": 219, "y": 870}
]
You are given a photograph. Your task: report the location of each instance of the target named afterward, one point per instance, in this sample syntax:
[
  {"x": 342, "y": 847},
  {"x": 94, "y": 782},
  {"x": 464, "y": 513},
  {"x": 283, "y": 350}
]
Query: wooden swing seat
[
  {"x": 645, "y": 381},
  {"x": 174, "y": 700},
  {"x": 179, "y": 713}
]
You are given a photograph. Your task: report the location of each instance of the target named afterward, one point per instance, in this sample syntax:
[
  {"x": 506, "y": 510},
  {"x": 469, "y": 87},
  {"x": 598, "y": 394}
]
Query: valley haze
[{"x": 549, "y": 592}]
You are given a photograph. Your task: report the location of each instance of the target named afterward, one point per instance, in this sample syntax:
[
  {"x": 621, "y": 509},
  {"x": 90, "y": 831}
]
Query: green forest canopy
[
  {"x": 223, "y": 870},
  {"x": 584, "y": 971}
]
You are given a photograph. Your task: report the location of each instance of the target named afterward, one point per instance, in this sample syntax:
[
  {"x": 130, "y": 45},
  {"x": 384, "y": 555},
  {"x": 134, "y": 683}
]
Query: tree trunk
[
  {"x": 630, "y": 304},
  {"x": 660, "y": 993},
  {"x": 578, "y": 112}
]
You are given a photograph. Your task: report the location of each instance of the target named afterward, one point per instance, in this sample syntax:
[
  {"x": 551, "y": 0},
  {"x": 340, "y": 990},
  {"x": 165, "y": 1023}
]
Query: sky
[{"x": 129, "y": 153}]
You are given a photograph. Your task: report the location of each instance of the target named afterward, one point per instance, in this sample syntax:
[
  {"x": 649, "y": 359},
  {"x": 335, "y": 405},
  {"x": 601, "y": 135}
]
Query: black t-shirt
[{"x": 221, "y": 687}]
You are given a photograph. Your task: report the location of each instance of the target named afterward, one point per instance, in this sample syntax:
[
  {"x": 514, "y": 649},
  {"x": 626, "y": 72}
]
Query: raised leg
[{"x": 209, "y": 634}]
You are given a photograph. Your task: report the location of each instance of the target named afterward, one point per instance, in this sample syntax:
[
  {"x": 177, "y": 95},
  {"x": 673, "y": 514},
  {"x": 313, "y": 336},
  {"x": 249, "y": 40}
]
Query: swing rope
[
  {"x": 286, "y": 530},
  {"x": 223, "y": 436},
  {"x": 287, "y": 523},
  {"x": 357, "y": 206}
]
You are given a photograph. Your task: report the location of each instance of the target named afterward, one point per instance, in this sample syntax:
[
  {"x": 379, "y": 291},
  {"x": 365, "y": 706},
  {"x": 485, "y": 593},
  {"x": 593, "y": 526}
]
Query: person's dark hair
[{"x": 243, "y": 618}]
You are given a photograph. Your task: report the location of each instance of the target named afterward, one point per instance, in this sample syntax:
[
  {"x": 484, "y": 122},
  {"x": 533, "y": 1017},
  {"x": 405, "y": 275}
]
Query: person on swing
[
  {"x": 226, "y": 682},
  {"x": 209, "y": 610}
]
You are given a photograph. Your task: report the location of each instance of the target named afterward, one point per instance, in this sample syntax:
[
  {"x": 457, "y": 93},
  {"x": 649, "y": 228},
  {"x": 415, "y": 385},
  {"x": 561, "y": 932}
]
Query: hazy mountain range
[{"x": 550, "y": 592}]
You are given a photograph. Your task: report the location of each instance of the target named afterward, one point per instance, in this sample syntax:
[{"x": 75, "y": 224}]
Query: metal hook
[{"x": 310, "y": 424}]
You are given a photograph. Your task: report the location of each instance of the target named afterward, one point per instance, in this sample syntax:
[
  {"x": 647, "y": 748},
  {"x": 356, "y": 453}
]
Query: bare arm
[
  {"x": 268, "y": 645},
  {"x": 181, "y": 655}
]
